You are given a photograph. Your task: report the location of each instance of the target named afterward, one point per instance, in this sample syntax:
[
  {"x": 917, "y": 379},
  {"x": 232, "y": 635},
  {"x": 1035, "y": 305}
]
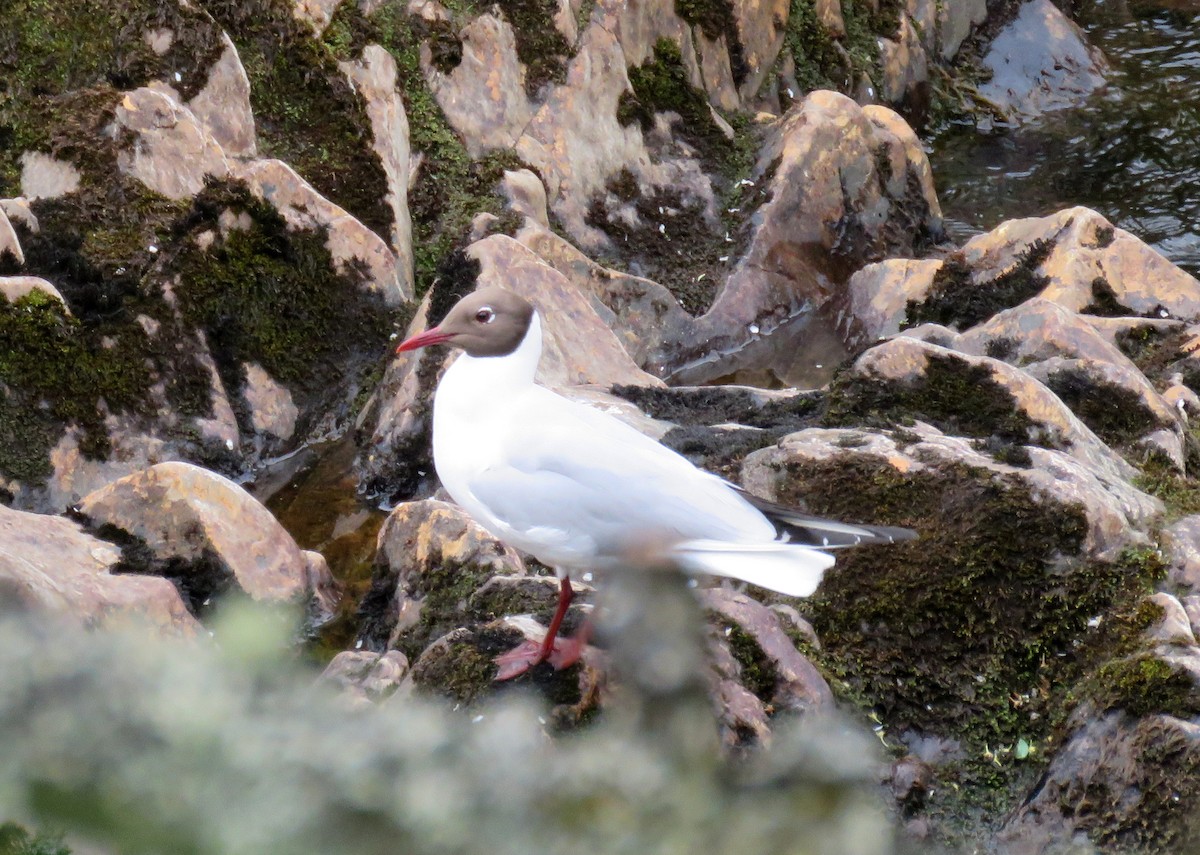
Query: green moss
[
  {"x": 57, "y": 373},
  {"x": 951, "y": 394},
  {"x": 823, "y": 62},
  {"x": 660, "y": 85},
  {"x": 674, "y": 239},
  {"x": 15, "y": 840},
  {"x": 1157, "y": 353},
  {"x": 1144, "y": 685},
  {"x": 756, "y": 672},
  {"x": 51, "y": 50},
  {"x": 969, "y": 632},
  {"x": 1179, "y": 493},
  {"x": 201, "y": 581},
  {"x": 306, "y": 111},
  {"x": 1117, "y": 414},
  {"x": 269, "y": 295},
  {"x": 463, "y": 670},
  {"x": 540, "y": 45},
  {"x": 956, "y": 300},
  {"x": 451, "y": 187}
]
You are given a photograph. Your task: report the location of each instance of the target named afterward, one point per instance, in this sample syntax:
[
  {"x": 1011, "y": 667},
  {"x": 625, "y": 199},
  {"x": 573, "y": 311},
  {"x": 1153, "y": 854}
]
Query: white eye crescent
[{"x": 485, "y": 315}]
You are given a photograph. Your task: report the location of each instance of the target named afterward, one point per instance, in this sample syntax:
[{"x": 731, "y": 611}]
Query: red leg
[
  {"x": 520, "y": 659},
  {"x": 565, "y": 594}
]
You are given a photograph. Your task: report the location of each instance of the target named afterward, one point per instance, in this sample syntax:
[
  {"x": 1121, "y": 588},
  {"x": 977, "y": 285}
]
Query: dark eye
[{"x": 485, "y": 315}]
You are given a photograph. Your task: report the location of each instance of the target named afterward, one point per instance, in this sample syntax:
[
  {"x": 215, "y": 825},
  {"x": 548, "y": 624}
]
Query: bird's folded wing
[{"x": 580, "y": 470}]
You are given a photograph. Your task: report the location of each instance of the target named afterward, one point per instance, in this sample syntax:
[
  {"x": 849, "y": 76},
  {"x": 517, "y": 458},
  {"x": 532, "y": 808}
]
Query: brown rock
[
  {"x": 797, "y": 686},
  {"x": 761, "y": 27},
  {"x": 829, "y": 13},
  {"x": 223, "y": 105},
  {"x": 1118, "y": 515},
  {"x": 272, "y": 410},
  {"x": 484, "y": 96},
  {"x": 431, "y": 558},
  {"x": 831, "y": 209},
  {"x": 188, "y": 514},
  {"x": 1086, "y": 248},
  {"x": 527, "y": 196},
  {"x": 578, "y": 348},
  {"x": 374, "y": 75},
  {"x": 905, "y": 66},
  {"x": 349, "y": 241},
  {"x": 1191, "y": 607},
  {"x": 714, "y": 68},
  {"x": 905, "y": 360},
  {"x": 76, "y": 474},
  {"x": 1103, "y": 377},
  {"x": 740, "y": 716},
  {"x": 316, "y": 13},
  {"x": 173, "y": 152},
  {"x": 643, "y": 314},
  {"x": 955, "y": 21},
  {"x": 877, "y": 296},
  {"x": 49, "y": 563},
  {"x": 1037, "y": 330}
]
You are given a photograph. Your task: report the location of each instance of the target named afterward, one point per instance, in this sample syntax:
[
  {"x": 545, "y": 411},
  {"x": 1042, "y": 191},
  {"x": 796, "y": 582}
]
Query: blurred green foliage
[{"x": 230, "y": 745}]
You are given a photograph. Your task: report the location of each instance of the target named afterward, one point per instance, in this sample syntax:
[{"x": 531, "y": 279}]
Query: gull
[{"x": 580, "y": 490}]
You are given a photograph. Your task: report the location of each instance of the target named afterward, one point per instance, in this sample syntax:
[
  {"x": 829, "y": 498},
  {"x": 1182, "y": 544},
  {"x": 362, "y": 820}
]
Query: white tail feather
[{"x": 786, "y": 568}]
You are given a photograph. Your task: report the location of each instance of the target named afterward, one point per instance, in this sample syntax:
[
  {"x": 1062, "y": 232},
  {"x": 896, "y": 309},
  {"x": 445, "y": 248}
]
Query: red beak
[{"x": 430, "y": 336}]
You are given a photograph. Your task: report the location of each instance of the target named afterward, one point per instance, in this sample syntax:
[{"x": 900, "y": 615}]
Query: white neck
[{"x": 496, "y": 375}]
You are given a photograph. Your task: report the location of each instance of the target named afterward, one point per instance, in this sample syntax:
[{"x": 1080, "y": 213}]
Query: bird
[{"x": 580, "y": 489}]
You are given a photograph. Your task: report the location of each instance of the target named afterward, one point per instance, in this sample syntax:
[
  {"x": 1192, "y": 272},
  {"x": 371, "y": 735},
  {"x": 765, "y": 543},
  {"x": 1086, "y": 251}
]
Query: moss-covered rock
[{"x": 971, "y": 634}]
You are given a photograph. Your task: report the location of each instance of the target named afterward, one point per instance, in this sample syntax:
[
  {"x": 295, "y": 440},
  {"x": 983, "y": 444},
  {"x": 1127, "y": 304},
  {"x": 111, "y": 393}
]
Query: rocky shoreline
[{"x": 210, "y": 238}]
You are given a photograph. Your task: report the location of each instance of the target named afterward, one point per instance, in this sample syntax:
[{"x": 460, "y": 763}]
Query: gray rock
[
  {"x": 1182, "y": 540},
  {"x": 13, "y": 288},
  {"x": 1174, "y": 627},
  {"x": 1041, "y": 62},
  {"x": 46, "y": 177}
]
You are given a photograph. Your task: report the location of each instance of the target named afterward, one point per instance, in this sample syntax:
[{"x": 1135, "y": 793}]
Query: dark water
[
  {"x": 1132, "y": 152},
  {"x": 313, "y": 495}
]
